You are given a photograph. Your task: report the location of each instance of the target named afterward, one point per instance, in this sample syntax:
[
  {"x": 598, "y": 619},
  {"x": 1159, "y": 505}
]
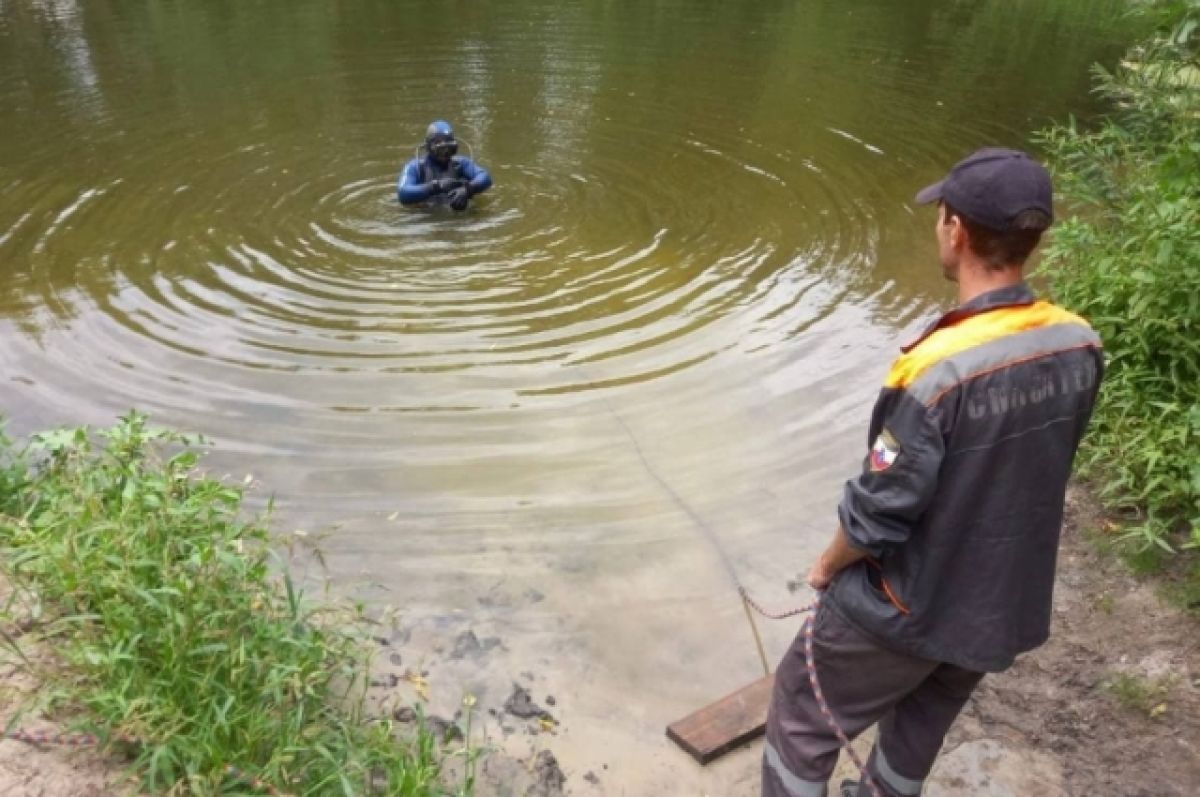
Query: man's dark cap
[{"x": 993, "y": 186}]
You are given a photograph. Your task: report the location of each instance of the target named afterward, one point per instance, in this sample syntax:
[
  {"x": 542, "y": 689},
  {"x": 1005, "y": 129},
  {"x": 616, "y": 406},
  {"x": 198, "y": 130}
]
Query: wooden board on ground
[{"x": 721, "y": 726}]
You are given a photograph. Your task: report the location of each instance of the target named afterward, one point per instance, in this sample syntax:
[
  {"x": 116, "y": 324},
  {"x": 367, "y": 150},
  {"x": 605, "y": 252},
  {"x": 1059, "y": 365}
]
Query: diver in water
[{"x": 441, "y": 176}]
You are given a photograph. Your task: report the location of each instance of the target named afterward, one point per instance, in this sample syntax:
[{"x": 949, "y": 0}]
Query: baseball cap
[{"x": 993, "y": 186}]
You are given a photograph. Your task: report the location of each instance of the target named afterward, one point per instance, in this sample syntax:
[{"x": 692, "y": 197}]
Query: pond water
[{"x": 642, "y": 362}]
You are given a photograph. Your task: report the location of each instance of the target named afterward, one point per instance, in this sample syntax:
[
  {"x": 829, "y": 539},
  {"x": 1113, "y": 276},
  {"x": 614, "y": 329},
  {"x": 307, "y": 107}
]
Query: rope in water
[
  {"x": 748, "y": 603},
  {"x": 91, "y": 740}
]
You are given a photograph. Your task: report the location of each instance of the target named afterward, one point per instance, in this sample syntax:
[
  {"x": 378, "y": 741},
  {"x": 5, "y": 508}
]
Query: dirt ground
[
  {"x": 43, "y": 770},
  {"x": 1109, "y": 706},
  {"x": 1112, "y": 701}
]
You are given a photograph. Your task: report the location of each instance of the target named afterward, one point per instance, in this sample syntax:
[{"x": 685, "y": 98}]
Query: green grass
[
  {"x": 1176, "y": 576},
  {"x": 173, "y": 622},
  {"x": 1185, "y": 591},
  {"x": 1138, "y": 693}
]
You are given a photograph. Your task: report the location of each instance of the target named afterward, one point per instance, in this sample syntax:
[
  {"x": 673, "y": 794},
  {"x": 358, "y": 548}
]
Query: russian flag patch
[{"x": 884, "y": 452}]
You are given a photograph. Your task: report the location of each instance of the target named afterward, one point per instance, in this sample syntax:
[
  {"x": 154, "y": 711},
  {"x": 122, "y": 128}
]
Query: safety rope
[
  {"x": 91, "y": 740},
  {"x": 63, "y": 739},
  {"x": 749, "y": 603},
  {"x": 810, "y": 664}
]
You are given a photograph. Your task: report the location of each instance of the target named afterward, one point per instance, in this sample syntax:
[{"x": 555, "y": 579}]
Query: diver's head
[{"x": 440, "y": 142}]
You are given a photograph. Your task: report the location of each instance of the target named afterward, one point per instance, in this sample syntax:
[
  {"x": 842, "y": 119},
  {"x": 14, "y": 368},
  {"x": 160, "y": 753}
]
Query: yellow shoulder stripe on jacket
[{"x": 974, "y": 331}]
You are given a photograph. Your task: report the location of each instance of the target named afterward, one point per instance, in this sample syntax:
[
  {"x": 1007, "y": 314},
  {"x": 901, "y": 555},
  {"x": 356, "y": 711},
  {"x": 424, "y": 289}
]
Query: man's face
[
  {"x": 442, "y": 149},
  {"x": 949, "y": 233}
]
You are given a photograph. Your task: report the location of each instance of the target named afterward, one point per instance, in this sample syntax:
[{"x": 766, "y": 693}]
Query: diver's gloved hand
[
  {"x": 460, "y": 197},
  {"x": 444, "y": 185}
]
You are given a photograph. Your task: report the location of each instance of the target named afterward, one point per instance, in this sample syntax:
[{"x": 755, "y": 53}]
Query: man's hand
[
  {"x": 820, "y": 575},
  {"x": 459, "y": 197},
  {"x": 445, "y": 184},
  {"x": 836, "y": 557}
]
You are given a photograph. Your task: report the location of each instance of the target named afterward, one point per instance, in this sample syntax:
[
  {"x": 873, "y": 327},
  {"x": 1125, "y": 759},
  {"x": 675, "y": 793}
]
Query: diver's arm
[
  {"x": 478, "y": 180},
  {"x": 410, "y": 190}
]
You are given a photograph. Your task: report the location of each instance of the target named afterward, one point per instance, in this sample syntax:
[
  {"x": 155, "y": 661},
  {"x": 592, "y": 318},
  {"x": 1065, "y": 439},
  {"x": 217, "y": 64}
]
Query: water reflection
[{"x": 64, "y": 16}]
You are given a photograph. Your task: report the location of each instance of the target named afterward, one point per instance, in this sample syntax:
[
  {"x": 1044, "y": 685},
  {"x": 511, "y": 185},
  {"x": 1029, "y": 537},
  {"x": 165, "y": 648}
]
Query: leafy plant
[
  {"x": 1129, "y": 260},
  {"x": 174, "y": 624}
]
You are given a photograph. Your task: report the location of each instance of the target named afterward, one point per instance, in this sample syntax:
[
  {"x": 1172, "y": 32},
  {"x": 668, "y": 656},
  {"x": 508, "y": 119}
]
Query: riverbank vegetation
[
  {"x": 1128, "y": 258},
  {"x": 177, "y": 636}
]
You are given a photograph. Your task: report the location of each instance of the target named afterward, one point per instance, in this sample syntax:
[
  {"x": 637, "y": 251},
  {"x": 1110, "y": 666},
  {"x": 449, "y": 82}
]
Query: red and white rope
[{"x": 810, "y": 663}]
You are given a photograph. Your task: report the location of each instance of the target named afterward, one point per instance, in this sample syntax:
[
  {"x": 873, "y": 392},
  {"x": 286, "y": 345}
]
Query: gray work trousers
[{"x": 915, "y": 701}]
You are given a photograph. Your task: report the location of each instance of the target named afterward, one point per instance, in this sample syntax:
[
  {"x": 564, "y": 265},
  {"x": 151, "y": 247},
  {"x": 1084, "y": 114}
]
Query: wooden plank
[{"x": 721, "y": 726}]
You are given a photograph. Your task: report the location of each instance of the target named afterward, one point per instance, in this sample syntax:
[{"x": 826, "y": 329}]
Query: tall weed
[
  {"x": 173, "y": 625},
  {"x": 1129, "y": 260}
]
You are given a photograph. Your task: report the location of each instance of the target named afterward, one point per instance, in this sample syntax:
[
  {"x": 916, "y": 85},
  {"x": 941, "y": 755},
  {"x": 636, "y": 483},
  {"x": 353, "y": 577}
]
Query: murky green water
[{"x": 670, "y": 313}]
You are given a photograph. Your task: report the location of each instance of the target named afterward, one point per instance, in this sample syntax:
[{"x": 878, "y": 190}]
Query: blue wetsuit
[{"x": 416, "y": 182}]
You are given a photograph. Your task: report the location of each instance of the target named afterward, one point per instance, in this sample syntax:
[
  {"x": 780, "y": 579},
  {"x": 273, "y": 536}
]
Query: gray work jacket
[{"x": 960, "y": 501}]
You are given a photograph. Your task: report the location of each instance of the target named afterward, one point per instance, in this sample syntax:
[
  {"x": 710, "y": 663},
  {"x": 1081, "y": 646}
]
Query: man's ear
[{"x": 959, "y": 236}]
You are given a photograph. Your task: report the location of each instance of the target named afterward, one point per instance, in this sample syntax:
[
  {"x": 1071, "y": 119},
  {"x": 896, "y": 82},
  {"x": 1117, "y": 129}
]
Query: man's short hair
[{"x": 1010, "y": 248}]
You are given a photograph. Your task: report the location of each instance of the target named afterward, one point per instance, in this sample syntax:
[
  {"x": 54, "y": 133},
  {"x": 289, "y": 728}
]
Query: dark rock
[
  {"x": 550, "y": 701},
  {"x": 395, "y": 659},
  {"x": 404, "y": 714},
  {"x": 389, "y": 682},
  {"x": 592, "y": 778},
  {"x": 467, "y": 644},
  {"x": 443, "y": 730},
  {"x": 519, "y": 704},
  {"x": 548, "y": 776}
]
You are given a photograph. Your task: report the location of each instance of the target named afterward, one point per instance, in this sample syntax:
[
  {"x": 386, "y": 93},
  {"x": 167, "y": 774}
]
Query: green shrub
[
  {"x": 1129, "y": 260},
  {"x": 173, "y": 625}
]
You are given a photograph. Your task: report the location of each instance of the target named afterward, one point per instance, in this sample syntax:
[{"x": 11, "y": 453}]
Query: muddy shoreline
[
  {"x": 1061, "y": 721},
  {"x": 1109, "y": 706}
]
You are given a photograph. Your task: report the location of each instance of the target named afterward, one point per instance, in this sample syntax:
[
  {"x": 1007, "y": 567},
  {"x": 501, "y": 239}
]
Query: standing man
[
  {"x": 942, "y": 566},
  {"x": 442, "y": 176}
]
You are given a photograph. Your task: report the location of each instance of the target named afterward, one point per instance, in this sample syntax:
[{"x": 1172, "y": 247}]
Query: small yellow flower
[{"x": 419, "y": 685}]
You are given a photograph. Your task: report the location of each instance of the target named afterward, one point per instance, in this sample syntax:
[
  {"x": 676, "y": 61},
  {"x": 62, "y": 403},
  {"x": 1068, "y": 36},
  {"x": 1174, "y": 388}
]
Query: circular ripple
[{"x": 221, "y": 230}]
